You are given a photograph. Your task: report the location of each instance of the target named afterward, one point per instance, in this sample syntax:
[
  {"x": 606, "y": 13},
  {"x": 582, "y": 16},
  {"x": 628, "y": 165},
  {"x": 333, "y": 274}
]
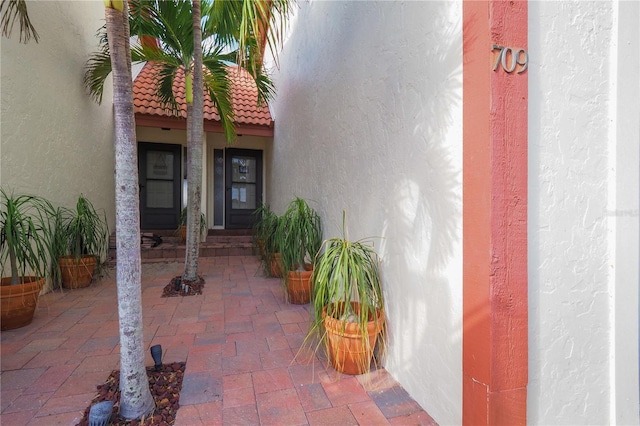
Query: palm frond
[
  {"x": 175, "y": 26},
  {"x": 166, "y": 76},
  {"x": 217, "y": 84},
  {"x": 281, "y": 10},
  {"x": 222, "y": 20},
  {"x": 262, "y": 20},
  {"x": 97, "y": 69},
  {"x": 266, "y": 89},
  {"x": 140, "y": 12}
]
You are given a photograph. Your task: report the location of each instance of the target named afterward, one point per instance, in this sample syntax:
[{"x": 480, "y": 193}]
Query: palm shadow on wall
[{"x": 423, "y": 228}]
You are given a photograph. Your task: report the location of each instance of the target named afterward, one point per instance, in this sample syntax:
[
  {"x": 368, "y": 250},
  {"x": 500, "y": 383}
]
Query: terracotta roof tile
[{"x": 244, "y": 91}]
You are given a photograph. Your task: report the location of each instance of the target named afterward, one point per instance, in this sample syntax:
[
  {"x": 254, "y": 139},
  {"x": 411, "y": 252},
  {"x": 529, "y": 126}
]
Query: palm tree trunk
[
  {"x": 194, "y": 153},
  {"x": 135, "y": 398}
]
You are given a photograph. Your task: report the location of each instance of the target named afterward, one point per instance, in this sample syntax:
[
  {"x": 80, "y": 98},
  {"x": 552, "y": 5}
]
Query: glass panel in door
[
  {"x": 159, "y": 179},
  {"x": 243, "y": 186},
  {"x": 243, "y": 183}
]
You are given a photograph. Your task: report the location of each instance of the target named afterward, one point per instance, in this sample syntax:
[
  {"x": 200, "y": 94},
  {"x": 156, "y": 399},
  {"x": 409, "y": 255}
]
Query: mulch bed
[
  {"x": 185, "y": 287},
  {"x": 165, "y": 386}
]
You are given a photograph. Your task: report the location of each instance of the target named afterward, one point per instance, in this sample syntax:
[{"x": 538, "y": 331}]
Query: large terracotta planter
[
  {"x": 299, "y": 286},
  {"x": 77, "y": 272},
  {"x": 349, "y": 352},
  {"x": 18, "y": 302}
]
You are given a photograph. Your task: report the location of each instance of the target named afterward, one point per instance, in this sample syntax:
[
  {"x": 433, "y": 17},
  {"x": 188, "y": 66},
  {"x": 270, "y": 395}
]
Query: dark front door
[
  {"x": 243, "y": 187},
  {"x": 160, "y": 183}
]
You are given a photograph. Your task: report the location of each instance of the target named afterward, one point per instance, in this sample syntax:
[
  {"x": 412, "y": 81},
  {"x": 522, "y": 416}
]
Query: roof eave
[{"x": 155, "y": 121}]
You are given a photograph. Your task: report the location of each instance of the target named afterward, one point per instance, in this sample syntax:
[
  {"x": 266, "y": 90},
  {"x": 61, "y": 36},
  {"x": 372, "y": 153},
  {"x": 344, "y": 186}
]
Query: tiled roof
[{"x": 245, "y": 96}]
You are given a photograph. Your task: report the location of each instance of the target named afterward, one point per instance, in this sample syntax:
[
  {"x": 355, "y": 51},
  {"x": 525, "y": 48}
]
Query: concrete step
[{"x": 172, "y": 249}]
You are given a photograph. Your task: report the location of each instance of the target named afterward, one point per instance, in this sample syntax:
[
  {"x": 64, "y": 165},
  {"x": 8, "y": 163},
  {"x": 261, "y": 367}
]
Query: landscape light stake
[
  {"x": 156, "y": 354},
  {"x": 100, "y": 413}
]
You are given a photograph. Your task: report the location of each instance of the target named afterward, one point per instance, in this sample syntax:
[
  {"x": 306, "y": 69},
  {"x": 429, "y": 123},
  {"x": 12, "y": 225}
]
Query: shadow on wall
[{"x": 421, "y": 232}]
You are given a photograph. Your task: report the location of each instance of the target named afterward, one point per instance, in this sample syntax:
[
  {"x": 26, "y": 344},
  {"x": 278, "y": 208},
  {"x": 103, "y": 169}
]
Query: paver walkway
[{"x": 239, "y": 340}]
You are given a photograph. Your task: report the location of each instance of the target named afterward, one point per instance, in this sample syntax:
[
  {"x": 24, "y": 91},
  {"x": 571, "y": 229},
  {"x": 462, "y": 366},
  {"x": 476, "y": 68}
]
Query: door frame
[
  {"x": 258, "y": 154},
  {"x": 166, "y": 218}
]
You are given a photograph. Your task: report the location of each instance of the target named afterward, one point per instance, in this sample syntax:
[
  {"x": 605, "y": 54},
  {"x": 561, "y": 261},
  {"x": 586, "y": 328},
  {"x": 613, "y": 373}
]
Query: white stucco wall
[
  {"x": 368, "y": 119},
  {"x": 55, "y": 141},
  {"x": 584, "y": 126}
]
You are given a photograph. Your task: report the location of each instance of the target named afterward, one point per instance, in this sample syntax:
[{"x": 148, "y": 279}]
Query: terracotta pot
[
  {"x": 299, "y": 286},
  {"x": 276, "y": 265},
  {"x": 348, "y": 350},
  {"x": 260, "y": 245},
  {"x": 183, "y": 234},
  {"x": 18, "y": 302},
  {"x": 77, "y": 272}
]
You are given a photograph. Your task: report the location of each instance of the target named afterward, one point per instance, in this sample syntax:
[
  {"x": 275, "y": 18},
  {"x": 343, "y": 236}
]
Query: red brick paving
[
  {"x": 332, "y": 416},
  {"x": 239, "y": 340}
]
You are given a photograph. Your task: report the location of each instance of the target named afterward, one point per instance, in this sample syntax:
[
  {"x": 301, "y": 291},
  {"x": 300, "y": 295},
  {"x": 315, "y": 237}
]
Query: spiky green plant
[
  {"x": 344, "y": 272},
  {"x": 298, "y": 235},
  {"x": 264, "y": 231},
  {"x": 26, "y": 235},
  {"x": 202, "y": 223},
  {"x": 83, "y": 230}
]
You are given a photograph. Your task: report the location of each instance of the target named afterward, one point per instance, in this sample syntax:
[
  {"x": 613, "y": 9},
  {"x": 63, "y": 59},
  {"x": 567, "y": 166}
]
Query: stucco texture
[
  {"x": 56, "y": 142},
  {"x": 573, "y": 294},
  {"x": 368, "y": 120}
]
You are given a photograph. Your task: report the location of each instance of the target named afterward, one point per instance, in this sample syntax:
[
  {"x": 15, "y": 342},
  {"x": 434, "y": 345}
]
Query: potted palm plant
[
  {"x": 298, "y": 236},
  {"x": 26, "y": 247},
  {"x": 81, "y": 241},
  {"x": 182, "y": 225},
  {"x": 348, "y": 304},
  {"x": 264, "y": 231}
]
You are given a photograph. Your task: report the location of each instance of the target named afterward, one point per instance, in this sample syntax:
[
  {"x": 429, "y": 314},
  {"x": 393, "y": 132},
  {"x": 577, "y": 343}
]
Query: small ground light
[
  {"x": 156, "y": 354},
  {"x": 100, "y": 413}
]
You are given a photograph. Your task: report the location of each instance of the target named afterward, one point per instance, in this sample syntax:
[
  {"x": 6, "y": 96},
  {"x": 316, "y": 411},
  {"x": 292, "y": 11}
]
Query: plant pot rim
[
  {"x": 6, "y": 281},
  {"x": 82, "y": 256},
  {"x": 352, "y": 329},
  {"x": 307, "y": 271}
]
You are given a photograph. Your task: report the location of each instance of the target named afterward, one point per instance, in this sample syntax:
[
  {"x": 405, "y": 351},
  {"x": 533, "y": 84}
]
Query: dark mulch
[
  {"x": 165, "y": 386},
  {"x": 185, "y": 287}
]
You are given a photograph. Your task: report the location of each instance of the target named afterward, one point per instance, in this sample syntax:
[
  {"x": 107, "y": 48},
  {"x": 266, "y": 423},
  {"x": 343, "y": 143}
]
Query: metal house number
[{"x": 511, "y": 58}]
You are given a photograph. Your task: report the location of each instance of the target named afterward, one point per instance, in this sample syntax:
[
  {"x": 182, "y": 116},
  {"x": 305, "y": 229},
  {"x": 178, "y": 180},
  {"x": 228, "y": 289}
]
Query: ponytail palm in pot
[
  {"x": 299, "y": 237},
  {"x": 182, "y": 226},
  {"x": 25, "y": 248},
  {"x": 264, "y": 232},
  {"x": 82, "y": 241},
  {"x": 348, "y": 303}
]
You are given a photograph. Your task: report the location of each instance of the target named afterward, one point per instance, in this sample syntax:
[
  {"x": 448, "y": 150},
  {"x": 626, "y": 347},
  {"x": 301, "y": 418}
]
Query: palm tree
[
  {"x": 171, "y": 23},
  {"x": 194, "y": 153},
  {"x": 135, "y": 397}
]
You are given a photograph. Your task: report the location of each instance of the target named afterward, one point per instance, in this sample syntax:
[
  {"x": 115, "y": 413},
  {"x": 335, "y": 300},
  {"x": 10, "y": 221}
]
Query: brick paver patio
[{"x": 239, "y": 340}]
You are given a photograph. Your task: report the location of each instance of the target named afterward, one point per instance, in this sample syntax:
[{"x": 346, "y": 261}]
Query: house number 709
[{"x": 515, "y": 58}]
